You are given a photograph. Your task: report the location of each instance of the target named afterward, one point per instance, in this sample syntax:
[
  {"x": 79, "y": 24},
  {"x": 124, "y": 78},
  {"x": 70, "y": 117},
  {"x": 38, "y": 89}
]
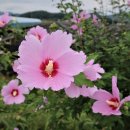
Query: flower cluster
[
  {"x": 77, "y": 19},
  {"x": 82, "y": 16},
  {"x": 47, "y": 61}
]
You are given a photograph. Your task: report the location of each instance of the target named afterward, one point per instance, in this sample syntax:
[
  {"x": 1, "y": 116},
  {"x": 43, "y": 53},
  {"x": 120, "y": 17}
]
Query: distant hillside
[{"x": 42, "y": 15}]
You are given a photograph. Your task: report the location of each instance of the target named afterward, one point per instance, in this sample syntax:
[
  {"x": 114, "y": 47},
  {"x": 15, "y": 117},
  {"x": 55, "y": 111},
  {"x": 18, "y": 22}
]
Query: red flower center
[
  {"x": 49, "y": 68},
  {"x": 113, "y": 103},
  {"x": 38, "y": 36},
  {"x": 14, "y": 92}
]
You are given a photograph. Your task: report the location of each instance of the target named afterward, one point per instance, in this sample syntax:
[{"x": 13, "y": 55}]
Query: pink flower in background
[
  {"x": 4, "y": 19},
  {"x": 14, "y": 94},
  {"x": 128, "y": 2},
  {"x": 75, "y": 18},
  {"x": 92, "y": 71},
  {"x": 51, "y": 64},
  {"x": 84, "y": 15},
  {"x": 74, "y": 27},
  {"x": 107, "y": 103},
  {"x": 73, "y": 91},
  {"x": 78, "y": 29},
  {"x": 95, "y": 20},
  {"x": 38, "y": 32},
  {"x": 88, "y": 91}
]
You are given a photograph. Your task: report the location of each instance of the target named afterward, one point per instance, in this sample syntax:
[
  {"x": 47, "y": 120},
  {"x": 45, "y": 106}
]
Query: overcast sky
[{"x": 21, "y": 6}]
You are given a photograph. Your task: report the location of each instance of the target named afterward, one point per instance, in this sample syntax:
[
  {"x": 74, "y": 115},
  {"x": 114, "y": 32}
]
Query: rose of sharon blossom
[
  {"x": 73, "y": 91},
  {"x": 92, "y": 71},
  {"x": 38, "y": 32},
  {"x": 77, "y": 19},
  {"x": 51, "y": 64},
  {"x": 78, "y": 29},
  {"x": 74, "y": 27},
  {"x": 107, "y": 103},
  {"x": 88, "y": 91},
  {"x": 4, "y": 19},
  {"x": 14, "y": 94},
  {"x": 84, "y": 15}
]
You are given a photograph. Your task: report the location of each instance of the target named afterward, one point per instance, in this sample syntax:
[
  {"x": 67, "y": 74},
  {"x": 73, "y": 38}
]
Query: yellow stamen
[
  {"x": 49, "y": 68},
  {"x": 111, "y": 103},
  {"x": 14, "y": 93}
]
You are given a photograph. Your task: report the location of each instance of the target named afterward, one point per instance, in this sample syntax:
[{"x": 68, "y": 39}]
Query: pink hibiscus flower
[
  {"x": 73, "y": 91},
  {"x": 14, "y": 94},
  {"x": 38, "y": 32},
  {"x": 88, "y": 91},
  {"x": 74, "y": 27},
  {"x": 78, "y": 29},
  {"x": 4, "y": 19},
  {"x": 92, "y": 71},
  {"x": 107, "y": 103},
  {"x": 51, "y": 64},
  {"x": 84, "y": 15},
  {"x": 75, "y": 18}
]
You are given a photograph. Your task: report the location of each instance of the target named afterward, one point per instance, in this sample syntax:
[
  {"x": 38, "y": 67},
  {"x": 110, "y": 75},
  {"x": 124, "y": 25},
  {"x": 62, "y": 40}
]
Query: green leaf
[
  {"x": 81, "y": 80},
  {"x": 92, "y": 56}
]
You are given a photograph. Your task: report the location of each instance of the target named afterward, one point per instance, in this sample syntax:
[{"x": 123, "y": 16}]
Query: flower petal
[
  {"x": 19, "y": 99},
  {"x": 115, "y": 90},
  {"x": 56, "y": 44},
  {"x": 73, "y": 91},
  {"x": 30, "y": 52},
  {"x": 8, "y": 99},
  {"x": 71, "y": 63},
  {"x": 102, "y": 95},
  {"x": 90, "y": 73},
  {"x": 61, "y": 81},
  {"x": 32, "y": 77},
  {"x": 104, "y": 109},
  {"x": 126, "y": 99}
]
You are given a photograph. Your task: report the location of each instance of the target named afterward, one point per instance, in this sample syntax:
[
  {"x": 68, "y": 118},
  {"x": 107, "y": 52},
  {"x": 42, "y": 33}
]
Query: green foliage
[
  {"x": 108, "y": 44},
  {"x": 81, "y": 80}
]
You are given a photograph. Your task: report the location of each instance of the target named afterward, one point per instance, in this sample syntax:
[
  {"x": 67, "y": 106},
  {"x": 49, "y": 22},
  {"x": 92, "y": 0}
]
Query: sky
[{"x": 21, "y": 6}]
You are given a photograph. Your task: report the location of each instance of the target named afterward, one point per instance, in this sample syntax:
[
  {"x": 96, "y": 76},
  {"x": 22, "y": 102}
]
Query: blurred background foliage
[{"x": 108, "y": 43}]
